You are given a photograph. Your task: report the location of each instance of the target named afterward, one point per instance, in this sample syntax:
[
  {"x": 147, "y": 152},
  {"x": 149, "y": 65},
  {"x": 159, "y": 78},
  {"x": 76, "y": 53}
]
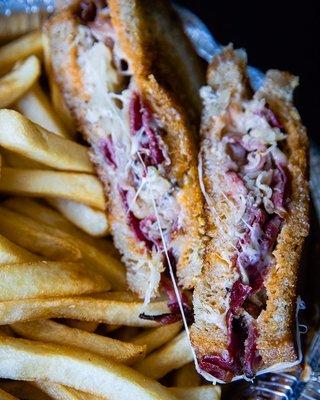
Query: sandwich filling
[
  {"x": 134, "y": 157},
  {"x": 249, "y": 169}
]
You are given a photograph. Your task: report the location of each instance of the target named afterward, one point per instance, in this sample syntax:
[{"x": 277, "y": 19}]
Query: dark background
[{"x": 276, "y": 34}]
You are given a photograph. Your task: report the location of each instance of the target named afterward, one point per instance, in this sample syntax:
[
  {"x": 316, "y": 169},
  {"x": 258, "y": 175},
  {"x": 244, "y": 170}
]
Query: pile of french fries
[{"x": 69, "y": 328}]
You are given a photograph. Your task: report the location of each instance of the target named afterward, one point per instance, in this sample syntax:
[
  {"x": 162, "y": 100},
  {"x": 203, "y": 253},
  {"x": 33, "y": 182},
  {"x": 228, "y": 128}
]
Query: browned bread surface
[
  {"x": 276, "y": 324},
  {"x": 169, "y": 79}
]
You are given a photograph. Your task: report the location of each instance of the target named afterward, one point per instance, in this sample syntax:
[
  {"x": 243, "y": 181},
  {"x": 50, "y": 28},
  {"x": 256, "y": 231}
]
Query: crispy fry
[
  {"x": 42, "y": 213},
  {"x": 173, "y": 355},
  {"x": 37, "y": 237},
  {"x": 83, "y": 188},
  {"x": 22, "y": 136},
  {"x": 187, "y": 376},
  {"x": 125, "y": 333},
  {"x": 5, "y": 330},
  {"x": 53, "y": 332},
  {"x": 83, "y": 308},
  {"x": 10, "y": 253},
  {"x": 125, "y": 296},
  {"x": 47, "y": 279},
  {"x": 208, "y": 392},
  {"x": 24, "y": 390},
  {"x": 88, "y": 326},
  {"x": 109, "y": 328},
  {"x": 18, "y": 161},
  {"x": 51, "y": 243},
  {"x": 17, "y": 82},
  {"x": 60, "y": 392},
  {"x": 6, "y": 396},
  {"x": 157, "y": 337},
  {"x": 36, "y": 106},
  {"x": 17, "y": 50},
  {"x": 93, "y": 222},
  {"x": 76, "y": 368}
]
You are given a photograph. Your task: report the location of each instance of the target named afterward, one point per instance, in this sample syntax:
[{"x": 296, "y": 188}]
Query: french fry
[
  {"x": 125, "y": 333},
  {"x": 82, "y": 308},
  {"x": 22, "y": 136},
  {"x": 18, "y": 161},
  {"x": 87, "y": 326},
  {"x": 19, "y": 49},
  {"x": 17, "y": 82},
  {"x": 5, "y": 330},
  {"x": 42, "y": 279},
  {"x": 23, "y": 390},
  {"x": 173, "y": 355},
  {"x": 28, "y": 360},
  {"x": 36, "y": 237},
  {"x": 39, "y": 212},
  {"x": 52, "y": 243},
  {"x": 50, "y": 217},
  {"x": 93, "y": 222},
  {"x": 110, "y": 328},
  {"x": 207, "y": 392},
  {"x": 6, "y": 396},
  {"x": 157, "y": 337},
  {"x": 36, "y": 106},
  {"x": 83, "y": 188},
  {"x": 60, "y": 392},
  {"x": 186, "y": 376},
  {"x": 10, "y": 253},
  {"x": 53, "y": 332},
  {"x": 125, "y": 296},
  {"x": 42, "y": 213}
]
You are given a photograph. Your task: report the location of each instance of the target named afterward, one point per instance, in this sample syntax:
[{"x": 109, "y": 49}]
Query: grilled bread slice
[
  {"x": 253, "y": 173},
  {"x": 131, "y": 79}
]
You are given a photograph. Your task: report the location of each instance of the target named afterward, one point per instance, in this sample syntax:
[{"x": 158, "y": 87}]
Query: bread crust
[
  {"x": 132, "y": 21},
  {"x": 276, "y": 324}
]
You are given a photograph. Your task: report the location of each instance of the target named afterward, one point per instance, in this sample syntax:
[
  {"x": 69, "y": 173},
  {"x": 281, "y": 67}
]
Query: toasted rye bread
[
  {"x": 166, "y": 73},
  {"x": 275, "y": 324}
]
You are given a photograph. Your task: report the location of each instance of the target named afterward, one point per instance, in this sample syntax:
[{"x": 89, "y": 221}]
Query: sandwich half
[
  {"x": 253, "y": 174},
  {"x": 131, "y": 80}
]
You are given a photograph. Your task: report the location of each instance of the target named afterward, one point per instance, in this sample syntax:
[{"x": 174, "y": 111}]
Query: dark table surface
[{"x": 276, "y": 34}]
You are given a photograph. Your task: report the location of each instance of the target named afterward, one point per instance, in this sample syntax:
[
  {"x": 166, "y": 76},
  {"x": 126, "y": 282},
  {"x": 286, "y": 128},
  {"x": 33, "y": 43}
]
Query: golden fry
[
  {"x": 17, "y": 82},
  {"x": 18, "y": 161},
  {"x": 10, "y": 253},
  {"x": 82, "y": 308},
  {"x": 36, "y": 237},
  {"x": 81, "y": 370},
  {"x": 24, "y": 390},
  {"x": 173, "y": 355},
  {"x": 93, "y": 222},
  {"x": 47, "y": 279},
  {"x": 157, "y": 337},
  {"x": 52, "y": 243},
  {"x": 83, "y": 188},
  {"x": 36, "y": 106},
  {"x": 17, "y": 50},
  {"x": 6, "y": 396},
  {"x": 22, "y": 136},
  {"x": 60, "y": 392},
  {"x": 187, "y": 376},
  {"x": 53, "y": 332},
  {"x": 88, "y": 326},
  {"x": 42, "y": 213}
]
